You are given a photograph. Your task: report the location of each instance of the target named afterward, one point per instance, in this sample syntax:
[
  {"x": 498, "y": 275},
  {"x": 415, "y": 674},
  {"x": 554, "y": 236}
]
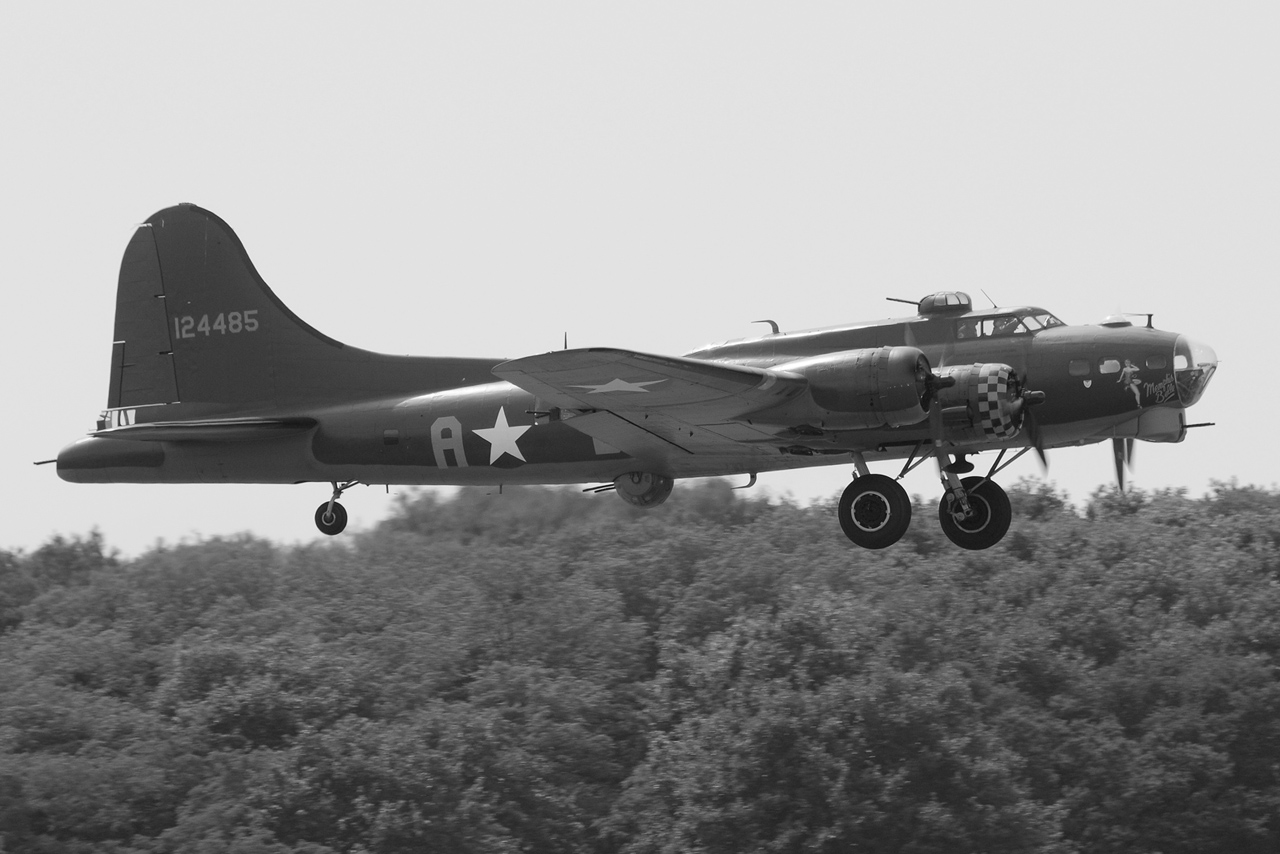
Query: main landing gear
[
  {"x": 974, "y": 512},
  {"x": 331, "y": 517},
  {"x": 874, "y": 511},
  {"x": 986, "y": 519}
]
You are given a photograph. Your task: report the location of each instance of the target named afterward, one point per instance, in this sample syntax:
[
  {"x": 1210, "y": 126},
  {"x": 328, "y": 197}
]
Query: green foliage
[{"x": 546, "y": 671}]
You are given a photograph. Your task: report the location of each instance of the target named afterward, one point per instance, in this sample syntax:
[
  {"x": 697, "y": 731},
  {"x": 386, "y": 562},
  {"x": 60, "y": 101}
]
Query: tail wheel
[
  {"x": 986, "y": 525},
  {"x": 874, "y": 511},
  {"x": 331, "y": 521}
]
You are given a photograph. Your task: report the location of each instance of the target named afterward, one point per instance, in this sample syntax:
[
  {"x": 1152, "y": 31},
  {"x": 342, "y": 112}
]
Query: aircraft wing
[{"x": 644, "y": 404}]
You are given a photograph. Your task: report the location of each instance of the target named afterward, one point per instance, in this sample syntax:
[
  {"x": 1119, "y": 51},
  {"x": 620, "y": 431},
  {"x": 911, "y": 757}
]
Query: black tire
[
  {"x": 989, "y": 523},
  {"x": 331, "y": 523},
  {"x": 874, "y": 511}
]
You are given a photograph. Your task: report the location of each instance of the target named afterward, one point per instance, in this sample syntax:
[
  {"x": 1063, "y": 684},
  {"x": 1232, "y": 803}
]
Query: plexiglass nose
[{"x": 1193, "y": 367}]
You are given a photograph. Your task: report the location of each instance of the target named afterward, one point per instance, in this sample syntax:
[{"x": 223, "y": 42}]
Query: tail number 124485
[{"x": 232, "y": 322}]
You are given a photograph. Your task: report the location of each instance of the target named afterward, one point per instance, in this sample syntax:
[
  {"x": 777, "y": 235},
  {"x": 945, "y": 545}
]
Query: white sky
[{"x": 481, "y": 178}]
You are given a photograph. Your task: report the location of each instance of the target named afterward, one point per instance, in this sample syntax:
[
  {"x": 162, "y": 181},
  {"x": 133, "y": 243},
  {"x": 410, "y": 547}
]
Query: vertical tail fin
[{"x": 198, "y": 327}]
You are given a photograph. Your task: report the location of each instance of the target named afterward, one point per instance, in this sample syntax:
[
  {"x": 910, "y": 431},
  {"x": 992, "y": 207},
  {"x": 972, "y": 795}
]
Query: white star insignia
[
  {"x": 502, "y": 438},
  {"x": 618, "y": 385}
]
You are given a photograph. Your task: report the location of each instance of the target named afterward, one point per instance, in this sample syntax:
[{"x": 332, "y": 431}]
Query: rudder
[{"x": 142, "y": 370}]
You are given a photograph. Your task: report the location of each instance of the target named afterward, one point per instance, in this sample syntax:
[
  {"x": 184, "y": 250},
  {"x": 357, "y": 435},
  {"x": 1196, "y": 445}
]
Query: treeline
[{"x": 543, "y": 671}]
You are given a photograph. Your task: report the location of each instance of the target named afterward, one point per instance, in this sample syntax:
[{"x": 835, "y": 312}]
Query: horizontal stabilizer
[{"x": 213, "y": 430}]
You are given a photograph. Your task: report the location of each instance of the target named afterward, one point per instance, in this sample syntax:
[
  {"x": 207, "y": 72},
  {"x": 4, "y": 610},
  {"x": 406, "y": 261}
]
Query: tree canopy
[{"x": 543, "y": 671}]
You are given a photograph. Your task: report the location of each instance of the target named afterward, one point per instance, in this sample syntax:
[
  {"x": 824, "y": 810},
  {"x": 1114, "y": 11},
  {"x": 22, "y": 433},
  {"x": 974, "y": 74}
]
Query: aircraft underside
[{"x": 874, "y": 510}]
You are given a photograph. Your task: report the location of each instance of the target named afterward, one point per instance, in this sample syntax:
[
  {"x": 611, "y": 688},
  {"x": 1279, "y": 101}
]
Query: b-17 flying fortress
[{"x": 214, "y": 379}]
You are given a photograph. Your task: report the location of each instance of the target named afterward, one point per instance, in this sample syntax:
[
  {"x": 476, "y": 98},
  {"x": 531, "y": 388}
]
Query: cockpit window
[
  {"x": 1005, "y": 325},
  {"x": 995, "y": 327},
  {"x": 1041, "y": 320}
]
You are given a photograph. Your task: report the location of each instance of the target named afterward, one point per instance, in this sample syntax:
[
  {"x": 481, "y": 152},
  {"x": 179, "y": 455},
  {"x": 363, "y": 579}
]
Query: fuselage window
[
  {"x": 1078, "y": 367},
  {"x": 1108, "y": 366},
  {"x": 1157, "y": 363}
]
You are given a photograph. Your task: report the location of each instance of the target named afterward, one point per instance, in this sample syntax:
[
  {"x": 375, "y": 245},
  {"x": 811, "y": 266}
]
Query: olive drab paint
[{"x": 213, "y": 379}]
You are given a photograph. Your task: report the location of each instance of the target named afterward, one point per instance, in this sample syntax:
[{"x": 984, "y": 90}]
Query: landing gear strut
[
  {"x": 874, "y": 511},
  {"x": 331, "y": 517}
]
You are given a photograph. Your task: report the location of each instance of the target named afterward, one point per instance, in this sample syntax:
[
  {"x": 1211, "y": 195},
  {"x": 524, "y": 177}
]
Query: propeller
[
  {"x": 1029, "y": 400},
  {"x": 1122, "y": 451},
  {"x": 1032, "y": 425}
]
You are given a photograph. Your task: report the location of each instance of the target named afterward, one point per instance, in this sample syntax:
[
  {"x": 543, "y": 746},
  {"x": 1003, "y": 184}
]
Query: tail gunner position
[{"x": 214, "y": 379}]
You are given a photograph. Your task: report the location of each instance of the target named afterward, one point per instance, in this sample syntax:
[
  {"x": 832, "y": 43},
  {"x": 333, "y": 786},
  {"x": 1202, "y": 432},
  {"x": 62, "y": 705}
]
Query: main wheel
[
  {"x": 331, "y": 522},
  {"x": 874, "y": 511},
  {"x": 989, "y": 521}
]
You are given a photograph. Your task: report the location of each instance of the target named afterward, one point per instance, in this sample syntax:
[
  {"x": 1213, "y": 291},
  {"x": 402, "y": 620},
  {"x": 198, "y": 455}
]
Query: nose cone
[{"x": 1193, "y": 367}]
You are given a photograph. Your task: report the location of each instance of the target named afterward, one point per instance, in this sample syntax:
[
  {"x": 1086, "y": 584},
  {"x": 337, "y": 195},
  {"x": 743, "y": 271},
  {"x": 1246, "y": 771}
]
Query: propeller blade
[
  {"x": 1029, "y": 400},
  {"x": 1118, "y": 452},
  {"x": 1037, "y": 440},
  {"x": 935, "y": 420}
]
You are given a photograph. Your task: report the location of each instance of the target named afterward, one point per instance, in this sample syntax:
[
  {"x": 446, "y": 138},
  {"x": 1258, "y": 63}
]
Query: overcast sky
[{"x": 483, "y": 178}]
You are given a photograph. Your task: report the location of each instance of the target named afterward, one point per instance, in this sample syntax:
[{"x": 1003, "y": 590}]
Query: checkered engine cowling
[{"x": 984, "y": 405}]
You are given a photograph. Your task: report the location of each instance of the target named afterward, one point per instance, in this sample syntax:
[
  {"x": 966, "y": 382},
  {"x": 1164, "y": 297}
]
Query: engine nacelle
[
  {"x": 643, "y": 489},
  {"x": 985, "y": 403},
  {"x": 875, "y": 387}
]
